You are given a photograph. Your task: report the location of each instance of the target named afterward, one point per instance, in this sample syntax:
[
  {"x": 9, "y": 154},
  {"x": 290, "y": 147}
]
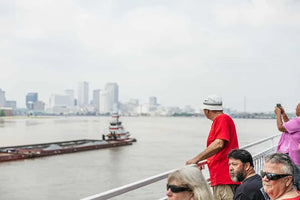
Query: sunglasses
[
  {"x": 177, "y": 189},
  {"x": 272, "y": 176}
]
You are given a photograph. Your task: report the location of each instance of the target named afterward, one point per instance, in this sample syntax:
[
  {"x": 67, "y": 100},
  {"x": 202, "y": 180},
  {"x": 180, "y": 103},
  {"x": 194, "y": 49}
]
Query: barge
[
  {"x": 11, "y": 153},
  {"x": 116, "y": 137}
]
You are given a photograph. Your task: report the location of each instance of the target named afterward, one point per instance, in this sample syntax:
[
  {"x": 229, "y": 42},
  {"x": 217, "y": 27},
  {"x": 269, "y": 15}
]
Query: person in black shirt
[{"x": 241, "y": 169}]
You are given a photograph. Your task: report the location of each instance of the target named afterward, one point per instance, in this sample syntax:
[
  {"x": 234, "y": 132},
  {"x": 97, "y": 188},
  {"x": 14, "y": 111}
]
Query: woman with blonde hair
[{"x": 188, "y": 183}]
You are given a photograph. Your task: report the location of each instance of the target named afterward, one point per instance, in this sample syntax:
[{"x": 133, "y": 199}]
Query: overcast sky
[{"x": 179, "y": 51}]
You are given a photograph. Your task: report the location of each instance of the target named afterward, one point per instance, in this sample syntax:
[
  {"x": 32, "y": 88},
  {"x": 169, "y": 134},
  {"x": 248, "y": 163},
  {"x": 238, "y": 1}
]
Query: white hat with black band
[{"x": 212, "y": 102}]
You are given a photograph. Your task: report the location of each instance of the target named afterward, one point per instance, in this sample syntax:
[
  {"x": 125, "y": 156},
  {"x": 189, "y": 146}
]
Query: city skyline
[
  {"x": 110, "y": 88},
  {"x": 178, "y": 51},
  {"x": 108, "y": 95}
]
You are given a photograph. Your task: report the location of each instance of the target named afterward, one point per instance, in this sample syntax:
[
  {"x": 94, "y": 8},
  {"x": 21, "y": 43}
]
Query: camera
[{"x": 278, "y": 105}]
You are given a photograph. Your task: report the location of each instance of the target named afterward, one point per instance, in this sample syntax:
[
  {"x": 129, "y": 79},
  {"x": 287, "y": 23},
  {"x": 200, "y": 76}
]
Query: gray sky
[{"x": 178, "y": 51}]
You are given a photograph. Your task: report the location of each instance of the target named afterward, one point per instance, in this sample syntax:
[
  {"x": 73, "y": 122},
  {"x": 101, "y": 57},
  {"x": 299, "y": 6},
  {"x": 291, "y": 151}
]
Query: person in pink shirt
[{"x": 290, "y": 138}]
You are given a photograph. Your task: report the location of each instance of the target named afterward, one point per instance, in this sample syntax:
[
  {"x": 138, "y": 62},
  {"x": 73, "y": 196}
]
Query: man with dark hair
[{"x": 241, "y": 169}]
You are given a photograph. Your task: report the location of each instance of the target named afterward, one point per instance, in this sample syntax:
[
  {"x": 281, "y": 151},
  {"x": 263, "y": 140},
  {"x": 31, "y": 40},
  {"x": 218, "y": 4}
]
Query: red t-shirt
[
  {"x": 222, "y": 128},
  {"x": 294, "y": 198}
]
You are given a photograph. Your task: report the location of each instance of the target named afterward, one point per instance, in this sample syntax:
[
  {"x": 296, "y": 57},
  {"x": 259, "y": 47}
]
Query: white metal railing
[
  {"x": 132, "y": 186},
  {"x": 271, "y": 138},
  {"x": 258, "y": 160},
  {"x": 129, "y": 187}
]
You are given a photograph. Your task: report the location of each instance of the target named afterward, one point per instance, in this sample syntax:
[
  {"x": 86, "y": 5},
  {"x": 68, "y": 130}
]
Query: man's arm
[
  {"x": 279, "y": 119},
  {"x": 216, "y": 146},
  {"x": 284, "y": 115}
]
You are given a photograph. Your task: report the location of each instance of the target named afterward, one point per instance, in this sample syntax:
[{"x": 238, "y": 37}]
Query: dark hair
[{"x": 242, "y": 155}]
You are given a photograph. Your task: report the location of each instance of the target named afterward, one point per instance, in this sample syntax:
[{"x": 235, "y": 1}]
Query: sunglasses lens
[
  {"x": 177, "y": 189},
  {"x": 271, "y": 176},
  {"x": 262, "y": 174}
]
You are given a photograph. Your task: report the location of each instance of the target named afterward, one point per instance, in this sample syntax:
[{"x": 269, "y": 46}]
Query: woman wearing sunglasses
[
  {"x": 188, "y": 183},
  {"x": 277, "y": 177}
]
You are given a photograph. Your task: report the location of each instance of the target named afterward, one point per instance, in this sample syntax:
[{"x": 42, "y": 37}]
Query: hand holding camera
[{"x": 280, "y": 107}]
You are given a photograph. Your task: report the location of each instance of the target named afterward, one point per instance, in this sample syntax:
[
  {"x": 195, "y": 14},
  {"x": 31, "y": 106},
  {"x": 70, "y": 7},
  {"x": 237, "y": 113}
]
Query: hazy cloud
[{"x": 176, "y": 50}]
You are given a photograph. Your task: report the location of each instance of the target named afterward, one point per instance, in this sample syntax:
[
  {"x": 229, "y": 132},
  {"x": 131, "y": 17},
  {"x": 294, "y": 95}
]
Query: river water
[{"x": 163, "y": 143}]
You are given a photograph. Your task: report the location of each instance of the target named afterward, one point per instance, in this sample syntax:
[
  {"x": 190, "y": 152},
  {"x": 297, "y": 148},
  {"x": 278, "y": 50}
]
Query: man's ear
[
  {"x": 247, "y": 166},
  {"x": 290, "y": 181}
]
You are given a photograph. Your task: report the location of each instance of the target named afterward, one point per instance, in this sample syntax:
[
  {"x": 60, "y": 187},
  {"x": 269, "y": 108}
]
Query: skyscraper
[
  {"x": 83, "y": 94},
  {"x": 105, "y": 103},
  {"x": 31, "y": 98},
  {"x": 2, "y": 98},
  {"x": 71, "y": 96},
  {"x": 112, "y": 90},
  {"x": 152, "y": 101},
  {"x": 96, "y": 100}
]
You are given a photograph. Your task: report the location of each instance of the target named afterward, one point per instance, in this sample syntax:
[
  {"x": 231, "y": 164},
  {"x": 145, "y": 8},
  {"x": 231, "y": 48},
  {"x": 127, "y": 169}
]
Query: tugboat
[{"x": 117, "y": 131}]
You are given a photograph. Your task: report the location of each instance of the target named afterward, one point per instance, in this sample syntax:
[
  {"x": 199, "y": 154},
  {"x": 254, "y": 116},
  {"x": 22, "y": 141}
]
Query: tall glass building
[{"x": 31, "y": 98}]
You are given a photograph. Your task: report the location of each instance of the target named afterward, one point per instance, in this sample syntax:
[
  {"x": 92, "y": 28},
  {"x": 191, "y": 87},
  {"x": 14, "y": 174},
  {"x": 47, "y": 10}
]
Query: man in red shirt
[{"x": 221, "y": 140}]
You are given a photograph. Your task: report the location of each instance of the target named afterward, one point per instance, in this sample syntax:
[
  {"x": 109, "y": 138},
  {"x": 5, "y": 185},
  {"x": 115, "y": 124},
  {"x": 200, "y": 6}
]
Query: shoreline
[{"x": 26, "y": 117}]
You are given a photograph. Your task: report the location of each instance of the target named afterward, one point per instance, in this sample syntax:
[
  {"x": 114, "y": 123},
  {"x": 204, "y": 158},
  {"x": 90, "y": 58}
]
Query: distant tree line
[
  {"x": 184, "y": 114},
  {"x": 2, "y": 113}
]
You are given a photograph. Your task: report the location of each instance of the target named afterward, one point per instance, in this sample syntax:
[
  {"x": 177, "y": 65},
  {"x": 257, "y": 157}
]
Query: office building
[
  {"x": 39, "y": 106},
  {"x": 130, "y": 108},
  {"x": 152, "y": 101},
  {"x": 61, "y": 104},
  {"x": 11, "y": 104},
  {"x": 71, "y": 95},
  {"x": 105, "y": 105},
  {"x": 31, "y": 98},
  {"x": 112, "y": 90},
  {"x": 2, "y": 98},
  {"x": 83, "y": 94},
  {"x": 96, "y": 100}
]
